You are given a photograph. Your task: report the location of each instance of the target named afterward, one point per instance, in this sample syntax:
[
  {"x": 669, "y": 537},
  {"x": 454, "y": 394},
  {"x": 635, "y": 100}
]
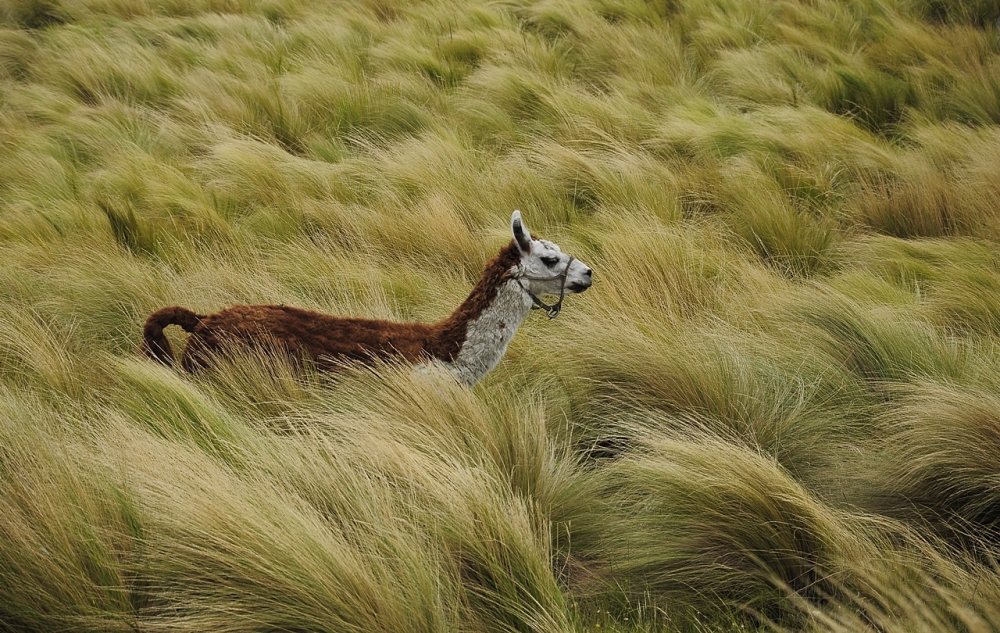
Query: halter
[{"x": 551, "y": 311}]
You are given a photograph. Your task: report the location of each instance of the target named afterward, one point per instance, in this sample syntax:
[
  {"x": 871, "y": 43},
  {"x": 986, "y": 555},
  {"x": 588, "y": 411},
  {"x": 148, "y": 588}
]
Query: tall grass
[{"x": 776, "y": 408}]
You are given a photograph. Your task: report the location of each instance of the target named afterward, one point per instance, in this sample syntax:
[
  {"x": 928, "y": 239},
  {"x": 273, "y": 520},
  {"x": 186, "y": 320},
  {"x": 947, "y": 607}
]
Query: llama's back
[{"x": 325, "y": 338}]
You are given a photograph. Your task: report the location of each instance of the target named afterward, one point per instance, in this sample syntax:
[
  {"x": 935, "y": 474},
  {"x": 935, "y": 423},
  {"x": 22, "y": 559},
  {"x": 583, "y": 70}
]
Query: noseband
[{"x": 551, "y": 311}]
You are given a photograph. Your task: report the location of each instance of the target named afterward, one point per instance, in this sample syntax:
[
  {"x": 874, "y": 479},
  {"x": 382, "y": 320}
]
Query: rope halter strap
[{"x": 551, "y": 310}]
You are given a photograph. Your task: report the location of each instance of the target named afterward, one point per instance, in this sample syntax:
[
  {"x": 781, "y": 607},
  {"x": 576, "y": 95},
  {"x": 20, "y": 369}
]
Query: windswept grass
[
  {"x": 942, "y": 450},
  {"x": 777, "y": 408}
]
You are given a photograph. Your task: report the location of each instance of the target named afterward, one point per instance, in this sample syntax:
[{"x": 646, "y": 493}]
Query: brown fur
[{"x": 327, "y": 339}]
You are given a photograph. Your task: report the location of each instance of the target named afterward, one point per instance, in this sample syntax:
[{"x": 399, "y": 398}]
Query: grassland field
[{"x": 778, "y": 408}]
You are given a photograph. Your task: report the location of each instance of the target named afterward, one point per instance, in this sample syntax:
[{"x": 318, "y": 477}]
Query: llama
[{"x": 469, "y": 343}]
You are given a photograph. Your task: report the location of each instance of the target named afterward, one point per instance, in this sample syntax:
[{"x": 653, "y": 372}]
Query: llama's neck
[
  {"x": 487, "y": 337},
  {"x": 474, "y": 338}
]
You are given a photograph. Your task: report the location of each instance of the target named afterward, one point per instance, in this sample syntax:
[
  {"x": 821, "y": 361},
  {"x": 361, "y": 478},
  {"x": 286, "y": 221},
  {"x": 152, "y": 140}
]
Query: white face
[{"x": 543, "y": 264}]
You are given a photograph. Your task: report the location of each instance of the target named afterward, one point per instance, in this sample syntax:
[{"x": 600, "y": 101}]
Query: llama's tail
[{"x": 155, "y": 344}]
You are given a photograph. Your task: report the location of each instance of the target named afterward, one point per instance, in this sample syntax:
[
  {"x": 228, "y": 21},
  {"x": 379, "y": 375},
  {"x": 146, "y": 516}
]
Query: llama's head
[{"x": 545, "y": 269}]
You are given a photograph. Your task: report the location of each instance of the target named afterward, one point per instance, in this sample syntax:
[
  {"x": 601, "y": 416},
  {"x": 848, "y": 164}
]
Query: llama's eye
[{"x": 550, "y": 261}]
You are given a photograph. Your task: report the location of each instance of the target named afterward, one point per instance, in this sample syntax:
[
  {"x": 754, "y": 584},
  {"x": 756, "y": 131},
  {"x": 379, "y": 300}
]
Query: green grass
[{"x": 777, "y": 408}]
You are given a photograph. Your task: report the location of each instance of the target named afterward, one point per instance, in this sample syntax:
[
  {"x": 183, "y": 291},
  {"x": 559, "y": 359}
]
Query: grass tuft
[{"x": 941, "y": 458}]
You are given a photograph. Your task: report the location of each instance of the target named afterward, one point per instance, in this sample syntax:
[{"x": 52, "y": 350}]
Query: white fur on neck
[{"x": 487, "y": 337}]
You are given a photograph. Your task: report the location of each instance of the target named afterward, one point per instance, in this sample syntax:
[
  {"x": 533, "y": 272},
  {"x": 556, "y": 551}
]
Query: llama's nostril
[{"x": 588, "y": 272}]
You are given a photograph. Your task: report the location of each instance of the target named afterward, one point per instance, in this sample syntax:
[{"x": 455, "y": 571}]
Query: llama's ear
[{"x": 521, "y": 234}]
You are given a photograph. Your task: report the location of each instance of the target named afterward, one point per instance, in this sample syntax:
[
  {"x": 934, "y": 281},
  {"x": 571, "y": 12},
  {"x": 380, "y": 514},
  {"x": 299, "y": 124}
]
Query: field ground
[{"x": 777, "y": 408}]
